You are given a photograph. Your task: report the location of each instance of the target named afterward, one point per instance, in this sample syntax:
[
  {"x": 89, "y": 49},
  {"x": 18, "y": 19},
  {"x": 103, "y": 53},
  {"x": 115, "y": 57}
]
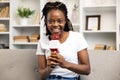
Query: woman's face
[{"x": 56, "y": 21}]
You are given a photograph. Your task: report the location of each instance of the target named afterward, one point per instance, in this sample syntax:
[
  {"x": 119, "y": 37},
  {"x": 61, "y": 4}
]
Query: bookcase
[
  {"x": 109, "y": 33},
  {"x": 10, "y": 27},
  {"x": 109, "y": 22},
  {"x": 4, "y": 23},
  {"x": 118, "y": 24},
  {"x": 24, "y": 30}
]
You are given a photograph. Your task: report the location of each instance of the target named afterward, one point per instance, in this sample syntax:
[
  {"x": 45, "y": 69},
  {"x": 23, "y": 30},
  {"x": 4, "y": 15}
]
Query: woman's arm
[
  {"x": 44, "y": 70},
  {"x": 82, "y": 68},
  {"x": 46, "y": 66}
]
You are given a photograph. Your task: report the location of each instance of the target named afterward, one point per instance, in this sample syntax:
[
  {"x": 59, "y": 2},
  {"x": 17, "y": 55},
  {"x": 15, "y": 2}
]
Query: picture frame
[{"x": 93, "y": 22}]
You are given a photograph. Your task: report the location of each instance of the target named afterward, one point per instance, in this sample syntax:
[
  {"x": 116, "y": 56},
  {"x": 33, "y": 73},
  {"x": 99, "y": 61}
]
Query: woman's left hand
[{"x": 61, "y": 60}]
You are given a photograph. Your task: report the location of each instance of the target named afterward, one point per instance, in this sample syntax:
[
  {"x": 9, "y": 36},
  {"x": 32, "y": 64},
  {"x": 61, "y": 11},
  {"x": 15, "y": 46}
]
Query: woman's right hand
[{"x": 52, "y": 60}]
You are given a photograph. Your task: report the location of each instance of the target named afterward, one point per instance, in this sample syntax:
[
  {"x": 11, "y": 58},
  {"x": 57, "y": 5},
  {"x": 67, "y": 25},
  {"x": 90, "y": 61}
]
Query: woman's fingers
[
  {"x": 52, "y": 61},
  {"x": 53, "y": 58}
]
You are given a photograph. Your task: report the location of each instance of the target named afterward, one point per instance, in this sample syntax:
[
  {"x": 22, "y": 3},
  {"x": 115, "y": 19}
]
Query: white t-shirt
[{"x": 68, "y": 49}]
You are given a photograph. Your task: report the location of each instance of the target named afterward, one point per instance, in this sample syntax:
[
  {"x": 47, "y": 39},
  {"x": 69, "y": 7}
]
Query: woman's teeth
[{"x": 56, "y": 29}]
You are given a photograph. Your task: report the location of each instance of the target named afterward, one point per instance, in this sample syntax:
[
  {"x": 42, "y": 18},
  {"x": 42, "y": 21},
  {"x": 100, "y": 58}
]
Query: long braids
[{"x": 60, "y": 6}]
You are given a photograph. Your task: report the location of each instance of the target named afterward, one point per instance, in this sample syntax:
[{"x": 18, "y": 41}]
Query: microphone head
[
  {"x": 54, "y": 43},
  {"x": 55, "y": 36}
]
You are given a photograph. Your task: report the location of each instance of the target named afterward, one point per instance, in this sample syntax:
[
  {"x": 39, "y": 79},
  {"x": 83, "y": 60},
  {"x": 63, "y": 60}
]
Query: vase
[
  {"x": 75, "y": 16},
  {"x": 23, "y": 21}
]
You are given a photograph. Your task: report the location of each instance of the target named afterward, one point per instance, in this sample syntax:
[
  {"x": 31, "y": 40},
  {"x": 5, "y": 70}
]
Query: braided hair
[{"x": 56, "y": 6}]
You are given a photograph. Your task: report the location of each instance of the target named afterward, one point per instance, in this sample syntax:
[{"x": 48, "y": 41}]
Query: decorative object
[
  {"x": 111, "y": 48},
  {"x": 23, "y": 21},
  {"x": 37, "y": 18},
  {"x": 3, "y": 27},
  {"x": 4, "y": 11},
  {"x": 93, "y": 22},
  {"x": 24, "y": 14},
  {"x": 75, "y": 13}
]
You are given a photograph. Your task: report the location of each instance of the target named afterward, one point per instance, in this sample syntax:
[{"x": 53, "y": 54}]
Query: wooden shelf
[
  {"x": 4, "y": 32},
  {"x": 4, "y": 1},
  {"x": 25, "y": 43},
  {"x": 4, "y": 18},
  {"x": 112, "y": 31},
  {"x": 26, "y": 26}
]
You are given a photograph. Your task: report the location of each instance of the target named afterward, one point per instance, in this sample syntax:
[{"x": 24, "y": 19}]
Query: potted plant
[{"x": 24, "y": 14}]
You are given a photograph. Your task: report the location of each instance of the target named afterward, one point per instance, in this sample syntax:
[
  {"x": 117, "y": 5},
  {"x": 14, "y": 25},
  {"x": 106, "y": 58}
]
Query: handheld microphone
[{"x": 54, "y": 43}]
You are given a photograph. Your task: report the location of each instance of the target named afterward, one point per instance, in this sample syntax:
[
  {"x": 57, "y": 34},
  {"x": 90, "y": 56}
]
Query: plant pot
[{"x": 23, "y": 21}]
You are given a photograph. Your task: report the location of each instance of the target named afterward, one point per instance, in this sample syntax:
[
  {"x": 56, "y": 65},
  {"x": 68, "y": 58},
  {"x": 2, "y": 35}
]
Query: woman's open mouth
[{"x": 56, "y": 29}]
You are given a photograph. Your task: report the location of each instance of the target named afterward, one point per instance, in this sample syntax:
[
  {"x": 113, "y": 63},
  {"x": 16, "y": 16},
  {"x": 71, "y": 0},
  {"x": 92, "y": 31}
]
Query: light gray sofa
[{"x": 23, "y": 64}]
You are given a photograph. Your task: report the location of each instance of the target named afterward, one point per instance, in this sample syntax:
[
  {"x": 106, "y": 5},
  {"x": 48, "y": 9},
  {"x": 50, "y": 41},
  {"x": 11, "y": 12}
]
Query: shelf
[
  {"x": 112, "y": 5},
  {"x": 4, "y": 32},
  {"x": 4, "y": 1},
  {"x": 4, "y": 18},
  {"x": 100, "y": 7},
  {"x": 108, "y": 33},
  {"x": 112, "y": 31},
  {"x": 76, "y": 24},
  {"x": 25, "y": 43},
  {"x": 25, "y": 26}
]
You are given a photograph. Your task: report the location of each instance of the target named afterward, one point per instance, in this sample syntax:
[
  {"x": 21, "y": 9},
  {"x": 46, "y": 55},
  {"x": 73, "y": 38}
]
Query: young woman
[{"x": 72, "y": 57}]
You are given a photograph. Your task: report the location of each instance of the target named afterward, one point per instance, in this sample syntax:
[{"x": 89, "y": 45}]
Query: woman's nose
[{"x": 55, "y": 23}]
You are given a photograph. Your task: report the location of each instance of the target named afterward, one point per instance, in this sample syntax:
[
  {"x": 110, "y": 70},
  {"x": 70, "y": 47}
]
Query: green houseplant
[{"x": 24, "y": 14}]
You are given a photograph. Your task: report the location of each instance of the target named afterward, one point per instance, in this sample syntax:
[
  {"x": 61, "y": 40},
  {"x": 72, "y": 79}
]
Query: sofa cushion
[{"x": 21, "y": 64}]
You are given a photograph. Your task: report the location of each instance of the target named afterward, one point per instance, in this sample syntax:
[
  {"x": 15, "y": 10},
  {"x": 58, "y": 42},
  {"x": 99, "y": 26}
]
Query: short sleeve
[
  {"x": 82, "y": 43},
  {"x": 39, "y": 51}
]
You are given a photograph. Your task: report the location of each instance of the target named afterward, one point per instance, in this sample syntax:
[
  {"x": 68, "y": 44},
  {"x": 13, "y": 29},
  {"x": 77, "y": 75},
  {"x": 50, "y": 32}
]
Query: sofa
[{"x": 22, "y": 64}]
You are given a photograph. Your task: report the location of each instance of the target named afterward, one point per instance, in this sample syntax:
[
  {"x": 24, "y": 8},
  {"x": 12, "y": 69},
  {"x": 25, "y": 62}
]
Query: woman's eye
[
  {"x": 60, "y": 21},
  {"x": 53, "y": 21},
  {"x": 50, "y": 21}
]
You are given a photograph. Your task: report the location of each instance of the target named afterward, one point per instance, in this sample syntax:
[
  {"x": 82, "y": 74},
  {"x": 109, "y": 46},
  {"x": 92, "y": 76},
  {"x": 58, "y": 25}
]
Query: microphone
[{"x": 54, "y": 43}]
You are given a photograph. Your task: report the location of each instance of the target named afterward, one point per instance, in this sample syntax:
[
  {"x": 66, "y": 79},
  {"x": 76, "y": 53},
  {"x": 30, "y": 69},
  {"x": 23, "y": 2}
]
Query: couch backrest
[
  {"x": 105, "y": 65},
  {"x": 22, "y": 65},
  {"x": 18, "y": 65}
]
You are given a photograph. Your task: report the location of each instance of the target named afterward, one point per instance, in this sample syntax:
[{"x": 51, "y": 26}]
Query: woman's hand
[
  {"x": 61, "y": 61},
  {"x": 56, "y": 59},
  {"x": 52, "y": 60}
]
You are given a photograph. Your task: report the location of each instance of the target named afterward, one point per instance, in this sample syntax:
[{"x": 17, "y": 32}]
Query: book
[
  {"x": 3, "y": 28},
  {"x": 21, "y": 40},
  {"x": 20, "y": 37},
  {"x": 100, "y": 47},
  {"x": 33, "y": 40},
  {"x": 110, "y": 48},
  {"x": 34, "y": 36}
]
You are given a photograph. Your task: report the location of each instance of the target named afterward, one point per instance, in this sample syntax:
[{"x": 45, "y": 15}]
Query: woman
[{"x": 72, "y": 58}]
